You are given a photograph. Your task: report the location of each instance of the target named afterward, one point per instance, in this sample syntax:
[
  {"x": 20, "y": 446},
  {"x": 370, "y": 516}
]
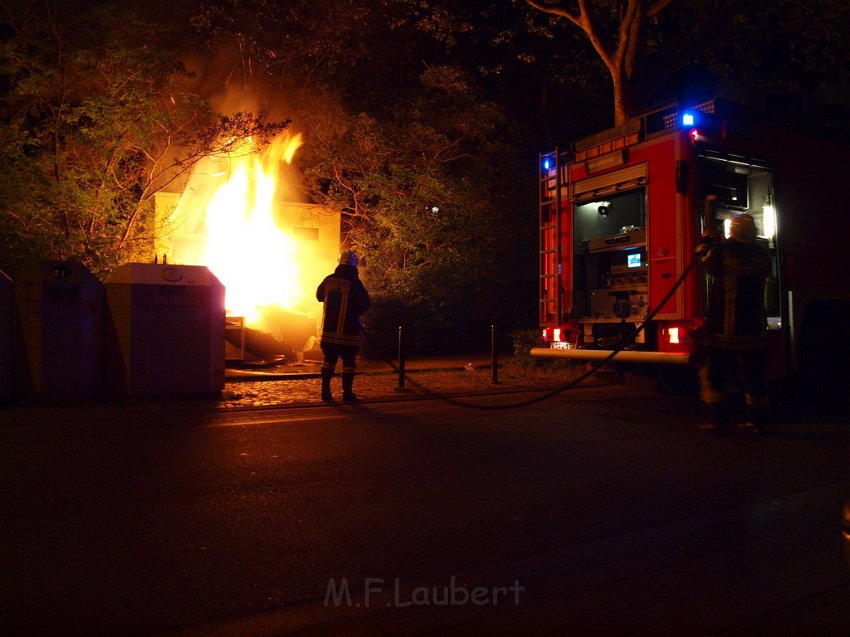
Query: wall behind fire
[{"x": 181, "y": 237}]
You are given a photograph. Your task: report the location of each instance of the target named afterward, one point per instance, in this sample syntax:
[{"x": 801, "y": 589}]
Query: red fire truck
[{"x": 621, "y": 213}]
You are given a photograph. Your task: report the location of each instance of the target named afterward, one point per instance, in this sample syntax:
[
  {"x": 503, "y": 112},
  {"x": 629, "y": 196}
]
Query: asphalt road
[{"x": 602, "y": 511}]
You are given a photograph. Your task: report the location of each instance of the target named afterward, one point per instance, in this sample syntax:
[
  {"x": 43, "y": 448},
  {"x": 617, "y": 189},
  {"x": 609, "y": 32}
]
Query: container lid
[{"x": 163, "y": 274}]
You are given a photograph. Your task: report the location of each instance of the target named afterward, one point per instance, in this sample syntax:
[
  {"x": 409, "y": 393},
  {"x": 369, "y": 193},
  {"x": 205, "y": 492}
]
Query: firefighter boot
[
  {"x": 348, "y": 395},
  {"x": 327, "y": 374},
  {"x": 717, "y": 419},
  {"x": 758, "y": 416},
  {"x": 761, "y": 418}
]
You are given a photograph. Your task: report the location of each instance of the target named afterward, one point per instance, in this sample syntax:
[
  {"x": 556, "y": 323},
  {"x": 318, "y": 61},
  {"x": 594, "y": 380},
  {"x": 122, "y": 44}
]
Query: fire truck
[{"x": 622, "y": 211}]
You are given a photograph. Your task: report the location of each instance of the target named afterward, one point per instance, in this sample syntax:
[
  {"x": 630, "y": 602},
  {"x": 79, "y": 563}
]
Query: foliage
[
  {"x": 294, "y": 47},
  {"x": 542, "y": 72},
  {"x": 631, "y": 36},
  {"x": 655, "y": 47},
  {"x": 96, "y": 116},
  {"x": 422, "y": 119},
  {"x": 426, "y": 201},
  {"x": 787, "y": 48},
  {"x": 427, "y": 170},
  {"x": 414, "y": 105},
  {"x": 525, "y": 340}
]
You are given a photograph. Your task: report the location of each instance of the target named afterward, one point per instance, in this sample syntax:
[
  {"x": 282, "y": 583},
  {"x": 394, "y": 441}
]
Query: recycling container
[
  {"x": 59, "y": 339},
  {"x": 164, "y": 330}
]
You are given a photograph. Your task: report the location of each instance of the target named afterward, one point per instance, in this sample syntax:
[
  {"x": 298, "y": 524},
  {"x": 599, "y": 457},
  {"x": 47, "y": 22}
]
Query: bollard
[
  {"x": 494, "y": 357},
  {"x": 400, "y": 358}
]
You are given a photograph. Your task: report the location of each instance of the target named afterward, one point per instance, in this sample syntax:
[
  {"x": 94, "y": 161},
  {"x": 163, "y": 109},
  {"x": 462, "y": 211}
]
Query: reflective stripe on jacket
[
  {"x": 736, "y": 313},
  {"x": 345, "y": 300}
]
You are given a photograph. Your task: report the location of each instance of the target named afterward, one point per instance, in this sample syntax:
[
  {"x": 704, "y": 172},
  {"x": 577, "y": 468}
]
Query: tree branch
[
  {"x": 656, "y": 8},
  {"x": 559, "y": 11}
]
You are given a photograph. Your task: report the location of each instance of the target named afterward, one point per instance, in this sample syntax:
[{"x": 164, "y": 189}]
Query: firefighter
[
  {"x": 736, "y": 340},
  {"x": 345, "y": 300}
]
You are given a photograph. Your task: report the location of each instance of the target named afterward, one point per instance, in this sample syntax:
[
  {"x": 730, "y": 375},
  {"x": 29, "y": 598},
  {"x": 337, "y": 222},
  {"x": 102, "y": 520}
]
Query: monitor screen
[{"x": 633, "y": 260}]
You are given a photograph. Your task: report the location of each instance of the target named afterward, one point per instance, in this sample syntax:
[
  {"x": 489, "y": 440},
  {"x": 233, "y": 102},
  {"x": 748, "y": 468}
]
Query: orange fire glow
[
  {"x": 228, "y": 218},
  {"x": 256, "y": 260},
  {"x": 239, "y": 215}
]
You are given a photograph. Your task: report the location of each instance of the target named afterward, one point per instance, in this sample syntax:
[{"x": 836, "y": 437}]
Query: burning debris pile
[{"x": 237, "y": 217}]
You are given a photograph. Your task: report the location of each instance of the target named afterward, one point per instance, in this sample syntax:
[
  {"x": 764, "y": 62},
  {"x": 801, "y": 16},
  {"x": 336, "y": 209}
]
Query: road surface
[{"x": 600, "y": 512}]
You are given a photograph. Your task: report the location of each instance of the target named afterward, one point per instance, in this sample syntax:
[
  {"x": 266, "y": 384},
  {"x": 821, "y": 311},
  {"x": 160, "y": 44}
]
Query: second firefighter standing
[
  {"x": 345, "y": 300},
  {"x": 737, "y": 340}
]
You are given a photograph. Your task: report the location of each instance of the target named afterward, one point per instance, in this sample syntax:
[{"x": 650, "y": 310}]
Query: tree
[
  {"x": 426, "y": 202},
  {"x": 407, "y": 144},
  {"x": 423, "y": 118},
  {"x": 652, "y": 47},
  {"x": 618, "y": 32},
  {"x": 792, "y": 54},
  {"x": 288, "y": 49},
  {"x": 96, "y": 116}
]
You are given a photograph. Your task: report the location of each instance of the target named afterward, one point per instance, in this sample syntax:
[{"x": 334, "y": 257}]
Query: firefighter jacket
[
  {"x": 736, "y": 316},
  {"x": 345, "y": 300}
]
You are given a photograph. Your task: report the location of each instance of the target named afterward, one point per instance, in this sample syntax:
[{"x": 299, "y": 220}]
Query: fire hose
[{"x": 619, "y": 347}]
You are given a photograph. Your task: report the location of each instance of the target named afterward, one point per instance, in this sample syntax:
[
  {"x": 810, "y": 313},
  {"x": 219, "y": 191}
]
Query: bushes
[{"x": 525, "y": 340}]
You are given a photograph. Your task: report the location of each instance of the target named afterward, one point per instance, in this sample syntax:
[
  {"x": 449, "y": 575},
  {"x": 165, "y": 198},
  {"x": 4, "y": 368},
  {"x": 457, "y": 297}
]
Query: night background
[
  {"x": 422, "y": 120},
  {"x": 198, "y": 497}
]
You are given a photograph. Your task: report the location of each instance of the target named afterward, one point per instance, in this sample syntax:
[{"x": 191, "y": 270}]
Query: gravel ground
[
  {"x": 384, "y": 384},
  {"x": 299, "y": 385}
]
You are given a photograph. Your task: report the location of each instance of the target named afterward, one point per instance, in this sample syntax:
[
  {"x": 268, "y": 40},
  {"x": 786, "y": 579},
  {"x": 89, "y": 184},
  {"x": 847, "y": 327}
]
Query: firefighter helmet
[
  {"x": 743, "y": 229},
  {"x": 348, "y": 258}
]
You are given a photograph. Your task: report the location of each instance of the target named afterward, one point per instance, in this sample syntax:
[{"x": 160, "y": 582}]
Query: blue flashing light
[
  {"x": 688, "y": 119},
  {"x": 547, "y": 163}
]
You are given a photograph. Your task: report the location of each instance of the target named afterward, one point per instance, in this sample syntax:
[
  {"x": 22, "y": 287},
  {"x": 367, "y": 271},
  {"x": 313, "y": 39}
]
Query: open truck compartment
[{"x": 621, "y": 212}]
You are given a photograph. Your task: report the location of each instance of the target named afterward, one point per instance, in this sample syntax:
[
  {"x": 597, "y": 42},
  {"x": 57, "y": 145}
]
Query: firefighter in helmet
[
  {"x": 345, "y": 300},
  {"x": 737, "y": 326}
]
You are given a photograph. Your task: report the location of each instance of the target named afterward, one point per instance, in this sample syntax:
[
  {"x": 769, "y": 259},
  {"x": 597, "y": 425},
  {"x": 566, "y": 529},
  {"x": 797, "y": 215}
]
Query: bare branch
[
  {"x": 559, "y": 11},
  {"x": 657, "y": 7}
]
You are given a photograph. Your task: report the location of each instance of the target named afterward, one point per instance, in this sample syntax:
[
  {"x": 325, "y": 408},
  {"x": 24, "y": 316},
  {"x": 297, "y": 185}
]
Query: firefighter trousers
[
  {"x": 332, "y": 353},
  {"x": 721, "y": 371}
]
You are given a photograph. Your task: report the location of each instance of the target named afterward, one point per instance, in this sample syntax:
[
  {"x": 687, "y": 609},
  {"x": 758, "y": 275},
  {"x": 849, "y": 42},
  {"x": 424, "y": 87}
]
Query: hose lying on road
[{"x": 553, "y": 392}]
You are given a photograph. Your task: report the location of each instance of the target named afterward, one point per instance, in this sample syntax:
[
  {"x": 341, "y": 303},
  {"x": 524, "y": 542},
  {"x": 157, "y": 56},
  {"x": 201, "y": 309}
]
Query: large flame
[
  {"x": 240, "y": 217},
  {"x": 257, "y": 261}
]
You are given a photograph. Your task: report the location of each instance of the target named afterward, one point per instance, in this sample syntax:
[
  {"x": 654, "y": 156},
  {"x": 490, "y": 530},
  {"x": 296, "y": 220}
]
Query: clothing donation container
[
  {"x": 59, "y": 307},
  {"x": 164, "y": 330}
]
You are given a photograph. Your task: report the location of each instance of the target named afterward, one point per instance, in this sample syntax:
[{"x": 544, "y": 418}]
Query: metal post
[
  {"x": 494, "y": 356},
  {"x": 400, "y": 358}
]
